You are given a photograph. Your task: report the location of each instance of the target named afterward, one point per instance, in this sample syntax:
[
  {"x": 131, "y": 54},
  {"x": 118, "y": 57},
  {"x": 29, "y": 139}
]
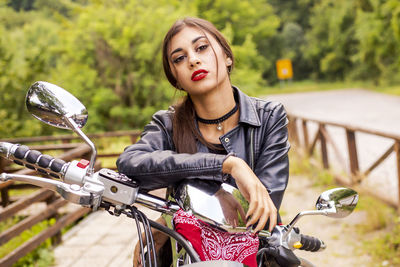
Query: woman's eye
[
  {"x": 178, "y": 59},
  {"x": 202, "y": 47}
]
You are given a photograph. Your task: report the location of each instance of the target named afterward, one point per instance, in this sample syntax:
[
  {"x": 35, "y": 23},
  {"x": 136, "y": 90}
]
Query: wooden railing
[
  {"x": 53, "y": 202},
  {"x": 299, "y": 135}
]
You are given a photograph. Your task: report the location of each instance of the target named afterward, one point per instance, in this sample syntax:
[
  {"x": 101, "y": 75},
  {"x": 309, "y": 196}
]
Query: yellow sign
[{"x": 284, "y": 69}]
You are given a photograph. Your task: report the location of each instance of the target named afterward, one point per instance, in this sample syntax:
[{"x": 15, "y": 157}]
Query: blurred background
[{"x": 107, "y": 52}]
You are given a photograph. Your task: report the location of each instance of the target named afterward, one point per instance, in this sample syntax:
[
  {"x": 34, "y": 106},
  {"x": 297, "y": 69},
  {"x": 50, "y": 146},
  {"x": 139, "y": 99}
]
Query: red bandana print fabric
[{"x": 214, "y": 244}]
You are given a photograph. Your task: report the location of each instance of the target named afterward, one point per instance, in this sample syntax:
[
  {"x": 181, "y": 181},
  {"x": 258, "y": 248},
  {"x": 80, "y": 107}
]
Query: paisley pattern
[
  {"x": 214, "y": 244},
  {"x": 219, "y": 245}
]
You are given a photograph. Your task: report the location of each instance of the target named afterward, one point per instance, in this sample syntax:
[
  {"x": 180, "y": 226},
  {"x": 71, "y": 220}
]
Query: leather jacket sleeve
[
  {"x": 153, "y": 162},
  {"x": 272, "y": 165}
]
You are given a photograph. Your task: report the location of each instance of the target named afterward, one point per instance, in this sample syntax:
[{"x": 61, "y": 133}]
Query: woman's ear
[{"x": 228, "y": 62}]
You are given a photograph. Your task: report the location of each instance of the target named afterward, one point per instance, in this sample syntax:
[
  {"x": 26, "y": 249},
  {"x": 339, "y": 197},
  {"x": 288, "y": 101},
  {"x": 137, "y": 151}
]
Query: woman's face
[{"x": 194, "y": 63}]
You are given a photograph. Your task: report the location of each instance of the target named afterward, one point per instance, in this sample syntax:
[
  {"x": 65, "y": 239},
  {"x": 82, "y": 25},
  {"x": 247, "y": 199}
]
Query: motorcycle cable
[
  {"x": 149, "y": 238},
  {"x": 140, "y": 218},
  {"x": 139, "y": 230}
]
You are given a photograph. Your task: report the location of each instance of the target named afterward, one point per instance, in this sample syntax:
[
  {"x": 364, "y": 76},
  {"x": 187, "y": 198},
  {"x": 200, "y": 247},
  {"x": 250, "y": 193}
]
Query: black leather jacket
[{"x": 261, "y": 139}]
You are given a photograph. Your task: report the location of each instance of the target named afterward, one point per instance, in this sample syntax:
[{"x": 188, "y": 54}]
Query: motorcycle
[{"x": 79, "y": 183}]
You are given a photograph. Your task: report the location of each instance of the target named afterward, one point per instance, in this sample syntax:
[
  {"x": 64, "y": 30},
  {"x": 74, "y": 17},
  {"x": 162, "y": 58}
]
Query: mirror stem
[
  {"x": 301, "y": 214},
  {"x": 77, "y": 130}
]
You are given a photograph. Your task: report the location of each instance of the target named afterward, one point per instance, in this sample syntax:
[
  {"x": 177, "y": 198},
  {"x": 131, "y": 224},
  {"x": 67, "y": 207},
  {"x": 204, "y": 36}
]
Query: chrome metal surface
[
  {"x": 305, "y": 263},
  {"x": 52, "y": 104},
  {"x": 57, "y": 107},
  {"x": 116, "y": 192},
  {"x": 336, "y": 203},
  {"x": 156, "y": 203},
  {"x": 340, "y": 202},
  {"x": 69, "y": 192},
  {"x": 71, "y": 123},
  {"x": 299, "y": 215},
  {"x": 5, "y": 149},
  {"x": 221, "y": 205}
]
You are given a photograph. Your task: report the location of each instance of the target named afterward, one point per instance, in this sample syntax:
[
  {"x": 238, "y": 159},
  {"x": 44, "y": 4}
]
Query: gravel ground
[{"x": 338, "y": 234}]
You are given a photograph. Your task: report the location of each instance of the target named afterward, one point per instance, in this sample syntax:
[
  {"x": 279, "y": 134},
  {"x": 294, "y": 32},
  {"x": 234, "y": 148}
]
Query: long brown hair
[{"x": 185, "y": 132}]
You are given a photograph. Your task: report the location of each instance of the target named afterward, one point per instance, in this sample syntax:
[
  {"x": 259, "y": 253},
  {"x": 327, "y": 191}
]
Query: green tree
[
  {"x": 378, "y": 34},
  {"x": 25, "y": 56},
  {"x": 113, "y": 61},
  {"x": 252, "y": 24},
  {"x": 331, "y": 42}
]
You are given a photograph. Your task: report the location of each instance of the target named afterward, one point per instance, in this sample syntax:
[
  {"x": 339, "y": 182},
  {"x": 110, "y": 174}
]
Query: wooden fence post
[
  {"x": 305, "y": 134},
  {"x": 292, "y": 128},
  {"x": 133, "y": 138},
  {"x": 5, "y": 198},
  {"x": 324, "y": 150},
  {"x": 56, "y": 238},
  {"x": 352, "y": 147},
  {"x": 397, "y": 151}
]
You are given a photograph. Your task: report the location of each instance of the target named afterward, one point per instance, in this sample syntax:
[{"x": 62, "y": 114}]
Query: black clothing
[{"x": 261, "y": 139}]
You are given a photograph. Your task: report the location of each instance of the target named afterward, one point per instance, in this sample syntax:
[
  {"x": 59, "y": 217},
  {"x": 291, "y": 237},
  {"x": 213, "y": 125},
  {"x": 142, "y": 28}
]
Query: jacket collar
[{"x": 248, "y": 111}]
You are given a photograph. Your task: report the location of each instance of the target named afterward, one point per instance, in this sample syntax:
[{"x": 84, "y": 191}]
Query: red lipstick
[{"x": 199, "y": 74}]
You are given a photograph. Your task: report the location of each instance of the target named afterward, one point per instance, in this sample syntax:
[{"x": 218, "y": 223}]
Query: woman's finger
[
  {"x": 273, "y": 217},
  {"x": 263, "y": 220},
  {"x": 261, "y": 211},
  {"x": 260, "y": 207},
  {"x": 249, "y": 214}
]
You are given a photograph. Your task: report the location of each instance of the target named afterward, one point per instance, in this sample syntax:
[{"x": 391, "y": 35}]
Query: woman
[{"x": 217, "y": 132}]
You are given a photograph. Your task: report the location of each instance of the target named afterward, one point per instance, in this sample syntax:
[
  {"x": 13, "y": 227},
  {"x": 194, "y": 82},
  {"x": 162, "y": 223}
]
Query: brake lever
[{"x": 71, "y": 192}]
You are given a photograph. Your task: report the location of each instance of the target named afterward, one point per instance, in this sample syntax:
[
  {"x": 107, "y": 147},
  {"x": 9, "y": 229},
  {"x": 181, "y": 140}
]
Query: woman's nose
[{"x": 194, "y": 60}]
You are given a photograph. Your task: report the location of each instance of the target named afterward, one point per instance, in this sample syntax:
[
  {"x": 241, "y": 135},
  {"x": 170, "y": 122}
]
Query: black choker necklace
[{"x": 220, "y": 119}]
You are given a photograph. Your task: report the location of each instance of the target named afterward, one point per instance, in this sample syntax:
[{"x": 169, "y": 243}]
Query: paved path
[
  {"x": 100, "y": 240},
  {"x": 340, "y": 236},
  {"x": 359, "y": 108}
]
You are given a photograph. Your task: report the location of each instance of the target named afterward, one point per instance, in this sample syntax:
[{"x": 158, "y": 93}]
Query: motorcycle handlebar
[
  {"x": 33, "y": 159},
  {"x": 312, "y": 244},
  {"x": 112, "y": 186},
  {"x": 110, "y": 181}
]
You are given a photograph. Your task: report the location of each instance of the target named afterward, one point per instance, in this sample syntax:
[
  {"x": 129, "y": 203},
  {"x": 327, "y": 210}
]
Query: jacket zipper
[{"x": 252, "y": 149}]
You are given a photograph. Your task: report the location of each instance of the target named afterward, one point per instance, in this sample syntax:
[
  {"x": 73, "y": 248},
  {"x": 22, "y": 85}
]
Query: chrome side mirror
[
  {"x": 55, "y": 106},
  {"x": 335, "y": 203},
  {"x": 340, "y": 202}
]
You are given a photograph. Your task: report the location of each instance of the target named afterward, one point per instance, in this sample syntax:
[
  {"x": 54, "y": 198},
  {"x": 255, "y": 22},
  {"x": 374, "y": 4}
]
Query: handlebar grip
[
  {"x": 34, "y": 159},
  {"x": 20, "y": 152},
  {"x": 312, "y": 244}
]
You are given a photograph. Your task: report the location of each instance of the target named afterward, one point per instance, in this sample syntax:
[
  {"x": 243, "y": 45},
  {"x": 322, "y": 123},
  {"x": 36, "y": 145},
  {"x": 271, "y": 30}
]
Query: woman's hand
[
  {"x": 230, "y": 207},
  {"x": 261, "y": 207}
]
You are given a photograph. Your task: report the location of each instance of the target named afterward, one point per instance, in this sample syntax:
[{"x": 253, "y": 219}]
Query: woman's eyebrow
[
  {"x": 198, "y": 38},
  {"x": 193, "y": 42}
]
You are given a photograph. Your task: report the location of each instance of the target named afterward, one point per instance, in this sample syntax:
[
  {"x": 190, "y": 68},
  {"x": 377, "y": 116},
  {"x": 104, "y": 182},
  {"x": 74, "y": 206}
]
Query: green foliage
[
  {"x": 383, "y": 224},
  {"x": 378, "y": 214},
  {"x": 25, "y": 55},
  {"x": 41, "y": 256},
  {"x": 107, "y": 52},
  {"x": 379, "y": 39},
  {"x": 357, "y": 40},
  {"x": 247, "y": 74},
  {"x": 330, "y": 41},
  {"x": 386, "y": 248}
]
